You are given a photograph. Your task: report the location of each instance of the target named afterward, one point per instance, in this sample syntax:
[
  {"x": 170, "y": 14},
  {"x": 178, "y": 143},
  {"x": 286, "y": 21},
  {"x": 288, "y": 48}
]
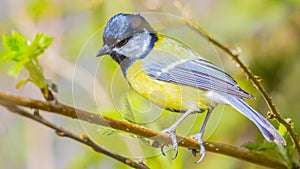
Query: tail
[{"x": 265, "y": 127}]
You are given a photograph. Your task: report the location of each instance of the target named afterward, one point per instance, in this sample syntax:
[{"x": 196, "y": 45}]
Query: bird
[{"x": 173, "y": 76}]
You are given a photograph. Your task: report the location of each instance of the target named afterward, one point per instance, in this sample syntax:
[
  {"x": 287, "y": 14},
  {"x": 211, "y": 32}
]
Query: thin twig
[
  {"x": 235, "y": 56},
  {"x": 82, "y": 138},
  {"x": 274, "y": 113},
  {"x": 142, "y": 131}
]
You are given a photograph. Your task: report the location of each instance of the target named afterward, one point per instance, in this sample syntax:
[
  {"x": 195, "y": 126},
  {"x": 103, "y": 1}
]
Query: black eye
[{"x": 122, "y": 42}]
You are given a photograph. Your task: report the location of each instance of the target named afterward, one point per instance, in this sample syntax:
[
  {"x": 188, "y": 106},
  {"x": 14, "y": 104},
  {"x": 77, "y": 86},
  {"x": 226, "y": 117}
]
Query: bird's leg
[
  {"x": 199, "y": 136},
  {"x": 172, "y": 131}
]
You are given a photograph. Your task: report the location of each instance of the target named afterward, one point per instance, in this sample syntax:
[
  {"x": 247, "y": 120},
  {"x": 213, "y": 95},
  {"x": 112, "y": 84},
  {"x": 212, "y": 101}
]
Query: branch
[
  {"x": 82, "y": 138},
  {"x": 71, "y": 112},
  {"x": 273, "y": 113}
]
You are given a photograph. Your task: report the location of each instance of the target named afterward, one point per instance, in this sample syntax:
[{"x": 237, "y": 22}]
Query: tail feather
[{"x": 265, "y": 127}]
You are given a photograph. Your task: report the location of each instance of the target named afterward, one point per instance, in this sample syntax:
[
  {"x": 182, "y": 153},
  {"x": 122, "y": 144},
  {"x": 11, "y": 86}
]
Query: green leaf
[
  {"x": 25, "y": 54},
  {"x": 260, "y": 147},
  {"x": 21, "y": 83},
  {"x": 282, "y": 129},
  {"x": 287, "y": 152},
  {"x": 251, "y": 146},
  {"x": 107, "y": 131},
  {"x": 15, "y": 46},
  {"x": 15, "y": 70},
  {"x": 37, "y": 8},
  {"x": 271, "y": 149},
  {"x": 39, "y": 44}
]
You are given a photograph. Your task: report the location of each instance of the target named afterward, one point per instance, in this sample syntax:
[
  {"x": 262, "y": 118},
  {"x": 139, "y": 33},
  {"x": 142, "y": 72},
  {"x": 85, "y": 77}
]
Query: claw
[
  {"x": 162, "y": 150},
  {"x": 158, "y": 145},
  {"x": 172, "y": 133},
  {"x": 194, "y": 152},
  {"x": 202, "y": 151}
]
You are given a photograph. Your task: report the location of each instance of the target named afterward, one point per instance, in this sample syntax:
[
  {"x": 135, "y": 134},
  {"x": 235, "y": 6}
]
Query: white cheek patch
[{"x": 137, "y": 46}]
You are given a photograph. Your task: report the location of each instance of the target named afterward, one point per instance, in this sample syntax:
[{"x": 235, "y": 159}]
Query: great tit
[{"x": 175, "y": 77}]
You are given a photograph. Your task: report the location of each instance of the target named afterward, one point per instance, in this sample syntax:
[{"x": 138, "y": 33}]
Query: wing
[{"x": 184, "y": 66}]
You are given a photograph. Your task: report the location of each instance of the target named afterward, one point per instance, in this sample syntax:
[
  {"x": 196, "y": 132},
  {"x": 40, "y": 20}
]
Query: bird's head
[{"x": 127, "y": 36}]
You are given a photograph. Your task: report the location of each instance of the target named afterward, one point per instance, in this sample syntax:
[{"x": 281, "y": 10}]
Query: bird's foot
[
  {"x": 172, "y": 132},
  {"x": 202, "y": 151}
]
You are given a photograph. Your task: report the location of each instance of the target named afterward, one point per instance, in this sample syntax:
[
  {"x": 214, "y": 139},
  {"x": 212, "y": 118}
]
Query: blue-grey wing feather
[{"x": 194, "y": 71}]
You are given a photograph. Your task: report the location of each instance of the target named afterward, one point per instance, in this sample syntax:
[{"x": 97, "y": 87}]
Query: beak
[{"x": 103, "y": 51}]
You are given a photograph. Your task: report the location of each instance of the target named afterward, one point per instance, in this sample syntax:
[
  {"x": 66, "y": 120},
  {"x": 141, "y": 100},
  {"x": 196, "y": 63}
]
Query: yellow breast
[{"x": 166, "y": 95}]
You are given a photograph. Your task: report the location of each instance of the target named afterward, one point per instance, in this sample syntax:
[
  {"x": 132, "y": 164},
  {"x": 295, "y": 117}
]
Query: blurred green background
[{"x": 268, "y": 32}]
